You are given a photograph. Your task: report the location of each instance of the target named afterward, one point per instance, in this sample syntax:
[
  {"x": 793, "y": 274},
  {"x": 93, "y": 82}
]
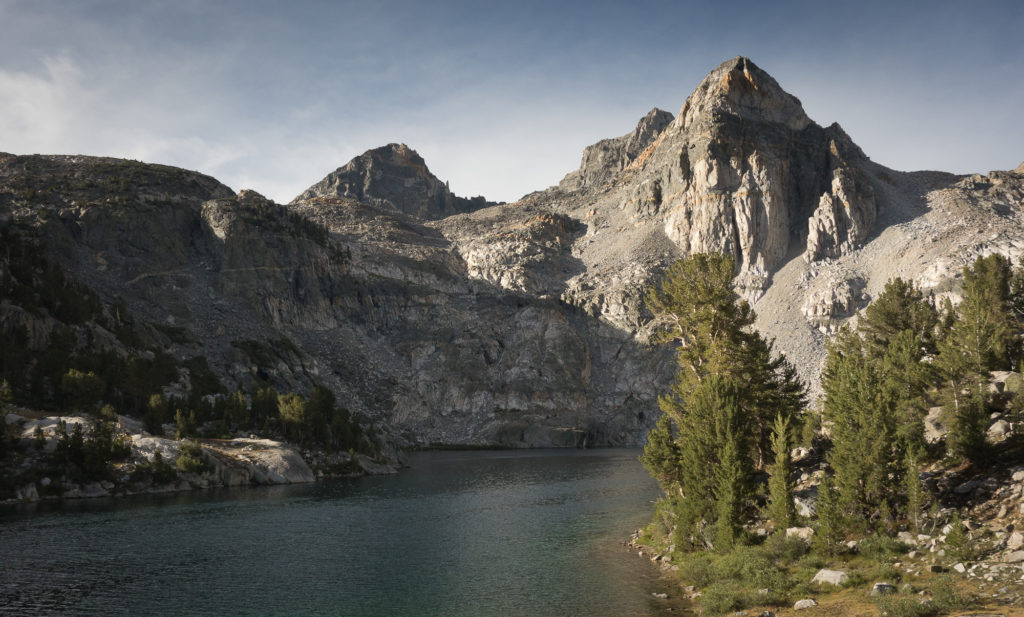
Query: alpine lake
[{"x": 531, "y": 533}]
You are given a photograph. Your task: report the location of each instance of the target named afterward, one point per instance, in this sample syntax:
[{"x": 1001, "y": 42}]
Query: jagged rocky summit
[{"x": 461, "y": 321}]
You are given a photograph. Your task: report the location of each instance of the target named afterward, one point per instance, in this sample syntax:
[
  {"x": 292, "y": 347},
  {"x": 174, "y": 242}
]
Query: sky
[{"x": 499, "y": 98}]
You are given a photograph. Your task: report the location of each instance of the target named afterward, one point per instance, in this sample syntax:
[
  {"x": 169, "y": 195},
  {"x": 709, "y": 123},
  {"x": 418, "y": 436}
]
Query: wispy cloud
[{"x": 499, "y": 100}]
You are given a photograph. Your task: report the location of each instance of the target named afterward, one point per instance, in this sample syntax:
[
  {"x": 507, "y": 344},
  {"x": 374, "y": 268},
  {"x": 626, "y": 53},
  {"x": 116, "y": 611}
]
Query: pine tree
[
  {"x": 982, "y": 335},
  {"x": 713, "y": 430},
  {"x": 696, "y": 308},
  {"x": 980, "y": 339},
  {"x": 899, "y": 308},
  {"x": 730, "y": 482},
  {"x": 966, "y": 437},
  {"x": 780, "y": 487},
  {"x": 907, "y": 378},
  {"x": 829, "y": 532},
  {"x": 661, "y": 454},
  {"x": 866, "y": 455},
  {"x": 912, "y": 491}
]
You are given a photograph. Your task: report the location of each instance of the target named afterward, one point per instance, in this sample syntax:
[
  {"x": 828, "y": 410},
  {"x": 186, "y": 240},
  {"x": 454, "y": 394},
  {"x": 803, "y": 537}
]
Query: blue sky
[{"x": 499, "y": 98}]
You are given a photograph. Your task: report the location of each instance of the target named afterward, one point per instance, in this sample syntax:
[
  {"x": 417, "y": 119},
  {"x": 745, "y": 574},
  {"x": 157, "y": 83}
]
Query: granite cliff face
[{"x": 465, "y": 322}]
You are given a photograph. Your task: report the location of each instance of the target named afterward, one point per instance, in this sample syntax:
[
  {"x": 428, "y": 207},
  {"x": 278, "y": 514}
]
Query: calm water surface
[{"x": 534, "y": 533}]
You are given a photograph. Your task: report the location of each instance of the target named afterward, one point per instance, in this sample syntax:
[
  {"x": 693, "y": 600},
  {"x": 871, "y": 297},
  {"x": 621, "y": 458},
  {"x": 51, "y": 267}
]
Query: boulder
[
  {"x": 1014, "y": 557},
  {"x": 1015, "y": 541},
  {"x": 27, "y": 493},
  {"x": 145, "y": 448},
  {"x": 881, "y": 589},
  {"x": 934, "y": 427},
  {"x": 804, "y": 533},
  {"x": 93, "y": 490},
  {"x": 48, "y": 426},
  {"x": 831, "y": 577},
  {"x": 967, "y": 487},
  {"x": 999, "y": 430},
  {"x": 805, "y": 501},
  {"x": 805, "y": 603}
]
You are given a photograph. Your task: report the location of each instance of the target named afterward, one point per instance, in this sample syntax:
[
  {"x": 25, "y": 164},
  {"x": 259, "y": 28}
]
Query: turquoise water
[{"x": 531, "y": 533}]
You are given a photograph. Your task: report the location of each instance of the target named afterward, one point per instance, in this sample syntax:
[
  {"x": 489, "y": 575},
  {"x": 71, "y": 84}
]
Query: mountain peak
[
  {"x": 740, "y": 88},
  {"x": 393, "y": 177},
  {"x": 605, "y": 159}
]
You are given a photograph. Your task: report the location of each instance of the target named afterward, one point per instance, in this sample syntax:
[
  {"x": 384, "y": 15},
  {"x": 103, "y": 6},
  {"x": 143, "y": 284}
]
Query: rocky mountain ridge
[{"x": 466, "y": 322}]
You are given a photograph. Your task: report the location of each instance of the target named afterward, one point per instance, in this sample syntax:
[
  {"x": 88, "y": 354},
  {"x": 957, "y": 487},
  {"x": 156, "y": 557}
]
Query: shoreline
[{"x": 151, "y": 464}]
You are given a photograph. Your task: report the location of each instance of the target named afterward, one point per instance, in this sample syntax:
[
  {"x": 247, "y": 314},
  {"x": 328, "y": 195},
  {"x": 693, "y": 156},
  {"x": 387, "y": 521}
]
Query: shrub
[
  {"x": 721, "y": 598},
  {"x": 878, "y": 547},
  {"x": 697, "y": 568},
  {"x": 190, "y": 458},
  {"x": 157, "y": 470}
]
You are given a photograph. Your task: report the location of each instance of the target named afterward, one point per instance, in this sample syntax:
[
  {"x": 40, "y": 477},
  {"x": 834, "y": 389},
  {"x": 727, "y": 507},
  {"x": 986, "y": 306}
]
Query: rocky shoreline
[{"x": 241, "y": 461}]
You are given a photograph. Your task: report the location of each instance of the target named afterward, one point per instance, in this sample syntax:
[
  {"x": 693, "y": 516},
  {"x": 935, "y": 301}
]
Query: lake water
[{"x": 521, "y": 533}]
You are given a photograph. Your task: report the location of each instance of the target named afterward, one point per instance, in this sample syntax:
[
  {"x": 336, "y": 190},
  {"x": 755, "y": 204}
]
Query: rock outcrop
[
  {"x": 603, "y": 161},
  {"x": 393, "y": 177},
  {"x": 242, "y": 462},
  {"x": 742, "y": 169}
]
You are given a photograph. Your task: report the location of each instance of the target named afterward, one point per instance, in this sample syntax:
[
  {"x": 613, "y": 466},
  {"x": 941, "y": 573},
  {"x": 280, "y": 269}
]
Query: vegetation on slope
[
  {"x": 64, "y": 351},
  {"x": 722, "y": 451}
]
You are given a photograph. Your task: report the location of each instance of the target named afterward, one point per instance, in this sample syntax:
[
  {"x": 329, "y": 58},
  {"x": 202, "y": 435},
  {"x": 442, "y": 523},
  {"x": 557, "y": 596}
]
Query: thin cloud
[{"x": 500, "y": 102}]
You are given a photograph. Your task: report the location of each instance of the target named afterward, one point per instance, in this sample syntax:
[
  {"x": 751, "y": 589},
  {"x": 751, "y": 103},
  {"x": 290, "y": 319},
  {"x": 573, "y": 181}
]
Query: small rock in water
[
  {"x": 806, "y": 603},
  {"x": 663, "y": 596}
]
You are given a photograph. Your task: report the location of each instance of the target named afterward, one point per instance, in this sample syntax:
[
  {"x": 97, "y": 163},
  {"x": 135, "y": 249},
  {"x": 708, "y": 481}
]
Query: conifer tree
[
  {"x": 780, "y": 487},
  {"x": 980, "y": 339},
  {"x": 907, "y": 379},
  {"x": 713, "y": 466},
  {"x": 696, "y": 308},
  {"x": 829, "y": 531},
  {"x": 913, "y": 493},
  {"x": 866, "y": 455},
  {"x": 982, "y": 335},
  {"x": 730, "y": 482},
  {"x": 661, "y": 455},
  {"x": 899, "y": 308}
]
